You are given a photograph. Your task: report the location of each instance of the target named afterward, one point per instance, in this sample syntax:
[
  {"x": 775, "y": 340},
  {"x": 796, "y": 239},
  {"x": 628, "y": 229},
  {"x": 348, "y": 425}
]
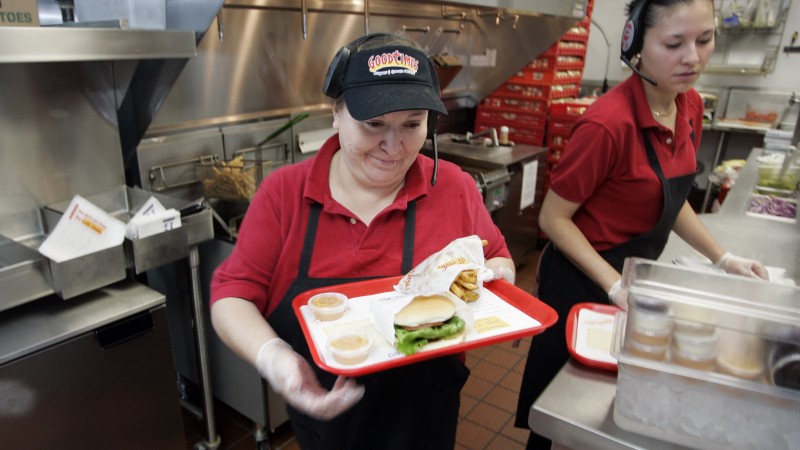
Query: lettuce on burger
[{"x": 426, "y": 323}]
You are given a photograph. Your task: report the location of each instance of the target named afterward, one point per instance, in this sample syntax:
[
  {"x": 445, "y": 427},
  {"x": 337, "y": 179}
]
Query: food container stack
[
  {"x": 708, "y": 360},
  {"x": 521, "y": 102}
]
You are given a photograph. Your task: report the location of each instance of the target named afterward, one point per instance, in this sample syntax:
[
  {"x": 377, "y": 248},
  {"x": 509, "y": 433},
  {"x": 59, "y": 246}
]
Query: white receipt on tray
[
  {"x": 593, "y": 336},
  {"x": 83, "y": 229}
]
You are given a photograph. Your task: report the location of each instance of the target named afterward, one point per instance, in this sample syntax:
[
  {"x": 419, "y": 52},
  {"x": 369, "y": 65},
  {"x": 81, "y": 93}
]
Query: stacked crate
[{"x": 522, "y": 102}]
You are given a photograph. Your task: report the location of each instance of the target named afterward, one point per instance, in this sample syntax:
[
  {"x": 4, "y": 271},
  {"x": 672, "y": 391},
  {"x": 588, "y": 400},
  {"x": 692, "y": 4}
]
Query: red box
[
  {"x": 557, "y": 140},
  {"x": 569, "y": 110},
  {"x": 553, "y": 62},
  {"x": 567, "y": 48},
  {"x": 518, "y": 133},
  {"x": 546, "y": 76},
  {"x": 577, "y": 33},
  {"x": 511, "y": 118},
  {"x": 526, "y": 92},
  {"x": 515, "y": 104}
]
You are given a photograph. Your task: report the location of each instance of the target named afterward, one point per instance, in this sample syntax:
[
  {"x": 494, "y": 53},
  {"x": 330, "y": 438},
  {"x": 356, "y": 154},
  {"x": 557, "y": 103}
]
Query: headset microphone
[{"x": 638, "y": 72}]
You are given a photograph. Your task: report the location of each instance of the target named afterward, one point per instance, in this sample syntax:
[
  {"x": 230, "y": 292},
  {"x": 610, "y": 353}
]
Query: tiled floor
[{"x": 488, "y": 401}]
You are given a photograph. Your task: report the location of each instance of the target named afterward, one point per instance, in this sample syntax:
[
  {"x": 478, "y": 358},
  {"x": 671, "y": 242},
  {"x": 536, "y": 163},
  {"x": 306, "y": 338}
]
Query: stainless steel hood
[
  {"x": 268, "y": 57},
  {"x": 31, "y": 45},
  {"x": 74, "y": 99}
]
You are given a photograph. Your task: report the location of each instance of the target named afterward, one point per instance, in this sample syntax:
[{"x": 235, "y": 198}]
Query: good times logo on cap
[{"x": 393, "y": 63}]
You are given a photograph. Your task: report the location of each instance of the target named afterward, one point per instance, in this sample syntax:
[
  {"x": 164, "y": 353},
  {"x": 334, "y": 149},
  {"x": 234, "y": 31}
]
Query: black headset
[
  {"x": 633, "y": 38},
  {"x": 332, "y": 87}
]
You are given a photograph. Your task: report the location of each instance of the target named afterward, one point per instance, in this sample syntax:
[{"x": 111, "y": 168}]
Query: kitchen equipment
[{"x": 692, "y": 400}]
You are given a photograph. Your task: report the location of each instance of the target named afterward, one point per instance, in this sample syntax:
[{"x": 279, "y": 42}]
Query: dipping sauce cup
[
  {"x": 328, "y": 305},
  {"x": 350, "y": 347}
]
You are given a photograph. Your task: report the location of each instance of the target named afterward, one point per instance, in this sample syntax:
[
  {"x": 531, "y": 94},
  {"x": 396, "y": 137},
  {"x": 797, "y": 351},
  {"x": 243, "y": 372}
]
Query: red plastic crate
[
  {"x": 553, "y": 155},
  {"x": 546, "y": 76},
  {"x": 518, "y": 133},
  {"x": 567, "y": 48},
  {"x": 568, "y": 110},
  {"x": 554, "y": 62},
  {"x": 527, "y": 92},
  {"x": 576, "y": 34},
  {"x": 515, "y": 104},
  {"x": 560, "y": 126},
  {"x": 512, "y": 118},
  {"x": 557, "y": 140}
]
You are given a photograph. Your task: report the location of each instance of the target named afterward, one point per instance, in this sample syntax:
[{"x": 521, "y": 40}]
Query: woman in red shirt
[
  {"x": 621, "y": 185},
  {"x": 367, "y": 205}
]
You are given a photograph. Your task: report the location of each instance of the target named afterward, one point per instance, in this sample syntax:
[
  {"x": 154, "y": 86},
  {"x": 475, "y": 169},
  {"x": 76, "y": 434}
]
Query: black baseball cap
[{"x": 388, "y": 79}]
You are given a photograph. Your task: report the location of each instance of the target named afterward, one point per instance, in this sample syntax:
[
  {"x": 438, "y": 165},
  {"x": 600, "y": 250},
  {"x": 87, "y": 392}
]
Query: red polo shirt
[
  {"x": 265, "y": 259},
  {"x": 605, "y": 168}
]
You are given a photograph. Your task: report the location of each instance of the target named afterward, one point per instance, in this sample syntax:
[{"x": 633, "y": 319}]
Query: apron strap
[
  {"x": 308, "y": 241},
  {"x": 653, "y": 158},
  {"x": 408, "y": 237}
]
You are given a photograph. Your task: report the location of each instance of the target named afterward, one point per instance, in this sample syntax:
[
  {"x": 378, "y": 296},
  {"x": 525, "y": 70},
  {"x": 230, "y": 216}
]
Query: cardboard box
[{"x": 19, "y": 13}]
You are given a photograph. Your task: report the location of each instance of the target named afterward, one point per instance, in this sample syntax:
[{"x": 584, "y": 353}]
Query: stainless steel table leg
[
  {"x": 212, "y": 441},
  {"x": 261, "y": 432}
]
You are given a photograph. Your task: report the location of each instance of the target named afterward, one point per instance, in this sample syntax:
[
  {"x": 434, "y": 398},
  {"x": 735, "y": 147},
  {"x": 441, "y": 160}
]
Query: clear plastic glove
[
  {"x": 618, "y": 295},
  {"x": 742, "y": 266},
  {"x": 293, "y": 378},
  {"x": 503, "y": 273}
]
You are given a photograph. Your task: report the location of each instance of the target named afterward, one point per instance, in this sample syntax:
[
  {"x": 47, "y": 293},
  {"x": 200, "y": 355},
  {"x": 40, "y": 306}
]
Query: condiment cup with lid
[
  {"x": 328, "y": 305},
  {"x": 696, "y": 351},
  {"x": 649, "y": 326},
  {"x": 349, "y": 347}
]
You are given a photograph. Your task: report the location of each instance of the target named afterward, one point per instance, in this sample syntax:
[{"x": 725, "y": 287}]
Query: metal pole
[{"x": 212, "y": 442}]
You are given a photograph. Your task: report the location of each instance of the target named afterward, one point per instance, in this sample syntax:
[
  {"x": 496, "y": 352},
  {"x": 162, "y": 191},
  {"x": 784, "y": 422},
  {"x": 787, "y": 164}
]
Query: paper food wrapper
[
  {"x": 383, "y": 310},
  {"x": 437, "y": 272},
  {"x": 83, "y": 229},
  {"x": 152, "y": 218}
]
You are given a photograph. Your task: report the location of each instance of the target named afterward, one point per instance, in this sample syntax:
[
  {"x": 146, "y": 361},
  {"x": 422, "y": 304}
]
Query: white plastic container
[{"x": 713, "y": 389}]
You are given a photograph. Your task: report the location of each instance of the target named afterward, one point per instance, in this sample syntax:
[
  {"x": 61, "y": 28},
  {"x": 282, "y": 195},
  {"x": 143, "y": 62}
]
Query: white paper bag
[{"x": 437, "y": 272}]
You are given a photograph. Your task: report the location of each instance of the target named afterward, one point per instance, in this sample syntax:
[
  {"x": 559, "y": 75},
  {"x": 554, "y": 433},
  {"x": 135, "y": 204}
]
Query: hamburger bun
[{"x": 425, "y": 310}]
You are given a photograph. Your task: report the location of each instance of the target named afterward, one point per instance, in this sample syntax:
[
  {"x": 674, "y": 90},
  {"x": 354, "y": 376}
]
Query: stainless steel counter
[
  {"x": 576, "y": 409},
  {"x": 51, "y": 321},
  {"x": 773, "y": 242}
]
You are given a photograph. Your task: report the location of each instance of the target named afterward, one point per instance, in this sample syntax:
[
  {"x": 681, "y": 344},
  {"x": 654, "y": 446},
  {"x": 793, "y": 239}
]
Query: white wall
[{"x": 610, "y": 16}]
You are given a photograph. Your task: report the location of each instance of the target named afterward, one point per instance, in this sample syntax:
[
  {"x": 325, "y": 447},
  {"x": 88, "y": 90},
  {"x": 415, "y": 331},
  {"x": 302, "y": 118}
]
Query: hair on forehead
[{"x": 652, "y": 11}]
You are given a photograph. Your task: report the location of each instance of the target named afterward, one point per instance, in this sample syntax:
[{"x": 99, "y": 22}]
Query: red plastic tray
[
  {"x": 572, "y": 332},
  {"x": 515, "y": 296}
]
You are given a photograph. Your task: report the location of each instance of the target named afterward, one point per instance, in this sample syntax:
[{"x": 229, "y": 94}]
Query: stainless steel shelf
[{"x": 38, "y": 44}]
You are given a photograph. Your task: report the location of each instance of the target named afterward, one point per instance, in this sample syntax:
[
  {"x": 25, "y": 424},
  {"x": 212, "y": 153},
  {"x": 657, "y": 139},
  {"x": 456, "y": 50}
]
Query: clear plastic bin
[{"x": 717, "y": 384}]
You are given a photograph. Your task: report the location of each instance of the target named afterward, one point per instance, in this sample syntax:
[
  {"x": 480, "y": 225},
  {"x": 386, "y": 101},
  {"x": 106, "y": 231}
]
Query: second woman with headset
[{"x": 622, "y": 182}]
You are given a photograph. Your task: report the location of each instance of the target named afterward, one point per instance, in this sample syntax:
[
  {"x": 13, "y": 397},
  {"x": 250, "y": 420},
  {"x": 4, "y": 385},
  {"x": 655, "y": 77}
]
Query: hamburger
[{"x": 427, "y": 323}]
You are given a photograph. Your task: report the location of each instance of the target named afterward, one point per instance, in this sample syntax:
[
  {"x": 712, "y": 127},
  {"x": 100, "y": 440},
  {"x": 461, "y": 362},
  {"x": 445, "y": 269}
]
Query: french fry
[
  {"x": 484, "y": 242},
  {"x": 456, "y": 289},
  {"x": 470, "y": 276},
  {"x": 470, "y": 296},
  {"x": 465, "y": 285}
]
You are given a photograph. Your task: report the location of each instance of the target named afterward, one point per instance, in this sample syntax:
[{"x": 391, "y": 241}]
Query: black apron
[
  {"x": 562, "y": 284},
  {"x": 414, "y": 406}
]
